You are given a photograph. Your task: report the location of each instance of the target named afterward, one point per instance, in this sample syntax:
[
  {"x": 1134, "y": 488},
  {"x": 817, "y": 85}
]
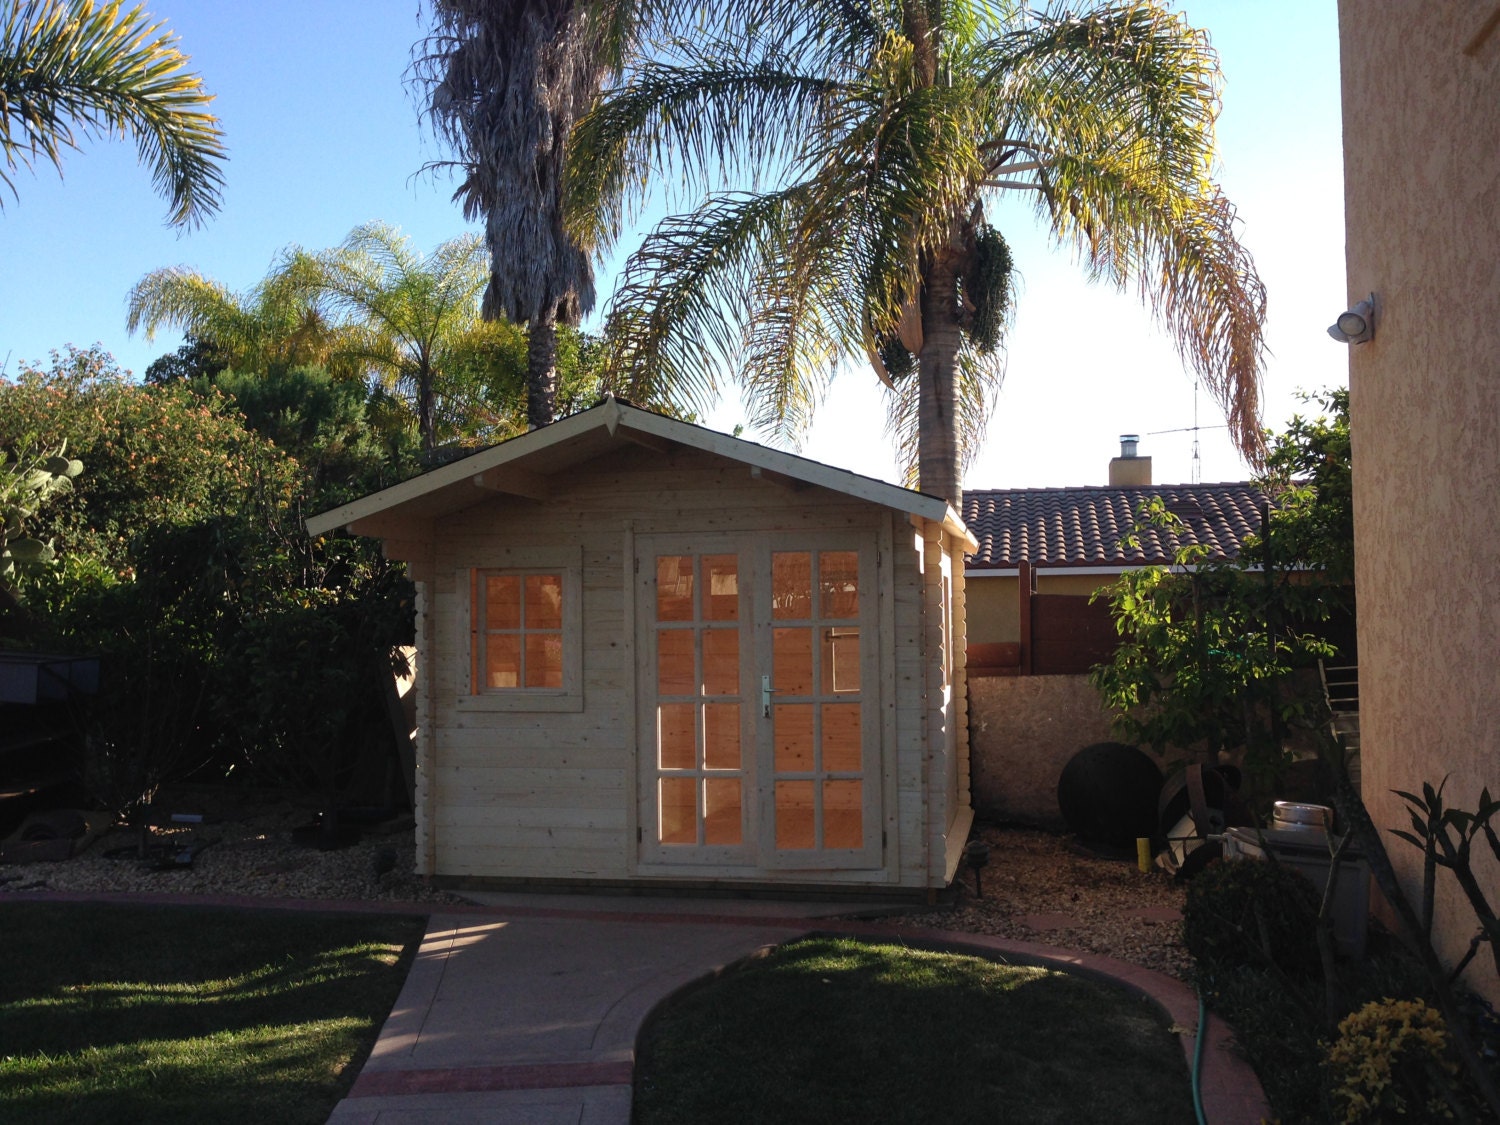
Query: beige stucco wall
[
  {"x": 1023, "y": 730},
  {"x": 1422, "y": 192}
]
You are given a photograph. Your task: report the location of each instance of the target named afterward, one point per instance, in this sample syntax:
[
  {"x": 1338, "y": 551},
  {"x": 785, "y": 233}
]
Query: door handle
[{"x": 766, "y": 691}]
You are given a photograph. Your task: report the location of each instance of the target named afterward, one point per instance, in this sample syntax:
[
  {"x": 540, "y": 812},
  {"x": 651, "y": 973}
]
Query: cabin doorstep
[{"x": 654, "y": 654}]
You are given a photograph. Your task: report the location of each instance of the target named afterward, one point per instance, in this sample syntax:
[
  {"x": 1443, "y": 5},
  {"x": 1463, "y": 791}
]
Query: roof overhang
[{"x": 527, "y": 465}]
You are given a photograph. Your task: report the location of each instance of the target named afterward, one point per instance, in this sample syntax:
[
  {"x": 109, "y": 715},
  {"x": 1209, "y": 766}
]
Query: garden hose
[{"x": 1198, "y": 1060}]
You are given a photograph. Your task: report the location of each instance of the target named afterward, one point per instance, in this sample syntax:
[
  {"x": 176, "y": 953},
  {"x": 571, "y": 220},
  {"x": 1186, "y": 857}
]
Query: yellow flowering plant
[{"x": 1392, "y": 1059}]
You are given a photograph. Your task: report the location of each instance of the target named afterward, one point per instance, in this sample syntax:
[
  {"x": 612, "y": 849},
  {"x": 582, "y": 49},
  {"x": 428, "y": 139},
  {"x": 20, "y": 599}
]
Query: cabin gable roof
[{"x": 526, "y": 465}]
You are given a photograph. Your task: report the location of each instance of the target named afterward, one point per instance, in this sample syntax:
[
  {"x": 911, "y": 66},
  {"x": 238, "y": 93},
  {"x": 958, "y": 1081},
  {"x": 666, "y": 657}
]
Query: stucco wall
[
  {"x": 1023, "y": 730},
  {"x": 995, "y": 603},
  {"x": 1422, "y": 195}
]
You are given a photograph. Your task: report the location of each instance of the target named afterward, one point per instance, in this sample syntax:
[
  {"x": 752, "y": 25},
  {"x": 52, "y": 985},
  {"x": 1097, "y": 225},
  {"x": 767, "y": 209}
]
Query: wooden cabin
[{"x": 654, "y": 654}]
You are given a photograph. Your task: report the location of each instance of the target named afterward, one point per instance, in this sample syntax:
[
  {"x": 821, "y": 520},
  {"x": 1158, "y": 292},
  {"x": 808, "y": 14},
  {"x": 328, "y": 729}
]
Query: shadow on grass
[
  {"x": 831, "y": 1030},
  {"x": 116, "y": 1014}
]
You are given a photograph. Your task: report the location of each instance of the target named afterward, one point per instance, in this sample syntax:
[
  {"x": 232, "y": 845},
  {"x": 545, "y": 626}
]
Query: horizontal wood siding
[{"x": 514, "y": 794}]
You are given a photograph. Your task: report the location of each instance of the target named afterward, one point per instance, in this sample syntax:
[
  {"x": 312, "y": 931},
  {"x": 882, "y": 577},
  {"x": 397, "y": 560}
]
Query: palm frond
[{"x": 68, "y": 65}]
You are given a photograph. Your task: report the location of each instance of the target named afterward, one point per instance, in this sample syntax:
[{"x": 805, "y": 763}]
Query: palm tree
[
  {"x": 507, "y": 80},
  {"x": 67, "y": 64},
  {"x": 886, "y": 128},
  {"x": 405, "y": 315},
  {"x": 273, "y": 324}
]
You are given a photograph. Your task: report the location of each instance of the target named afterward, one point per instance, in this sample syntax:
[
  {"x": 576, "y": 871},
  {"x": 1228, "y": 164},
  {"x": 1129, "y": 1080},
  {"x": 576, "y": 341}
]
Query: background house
[
  {"x": 654, "y": 654},
  {"x": 1033, "y": 631},
  {"x": 1421, "y": 97}
]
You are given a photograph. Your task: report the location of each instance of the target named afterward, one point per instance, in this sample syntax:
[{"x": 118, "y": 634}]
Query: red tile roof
[{"x": 1062, "y": 527}]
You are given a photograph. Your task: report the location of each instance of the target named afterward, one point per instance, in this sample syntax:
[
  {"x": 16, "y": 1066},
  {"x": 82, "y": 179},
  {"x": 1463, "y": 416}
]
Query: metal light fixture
[{"x": 1356, "y": 325}]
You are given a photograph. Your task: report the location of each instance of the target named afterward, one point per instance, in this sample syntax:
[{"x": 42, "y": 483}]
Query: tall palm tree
[
  {"x": 885, "y": 128},
  {"x": 406, "y": 315},
  {"x": 67, "y": 64},
  {"x": 507, "y": 80}
]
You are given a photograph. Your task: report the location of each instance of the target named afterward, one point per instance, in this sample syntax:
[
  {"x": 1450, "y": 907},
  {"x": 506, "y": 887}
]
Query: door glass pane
[
  {"x": 674, "y": 662},
  {"x": 721, "y": 812},
  {"x": 502, "y": 601},
  {"x": 791, "y": 661},
  {"x": 721, "y": 662},
  {"x": 677, "y": 741},
  {"x": 544, "y": 601},
  {"x": 838, "y": 576},
  {"x": 791, "y": 585},
  {"x": 544, "y": 660},
  {"x": 840, "y": 660},
  {"x": 842, "y": 819},
  {"x": 722, "y": 580},
  {"x": 841, "y": 738},
  {"x": 794, "y": 737},
  {"x": 502, "y": 660},
  {"x": 794, "y": 815},
  {"x": 679, "y": 810},
  {"x": 674, "y": 588},
  {"x": 721, "y": 736}
]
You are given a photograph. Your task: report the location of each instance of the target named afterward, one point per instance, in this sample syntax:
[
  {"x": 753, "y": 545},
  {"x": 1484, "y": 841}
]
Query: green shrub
[{"x": 1251, "y": 912}]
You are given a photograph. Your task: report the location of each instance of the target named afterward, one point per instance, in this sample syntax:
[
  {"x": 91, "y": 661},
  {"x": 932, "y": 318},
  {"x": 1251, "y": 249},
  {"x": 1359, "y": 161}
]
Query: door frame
[{"x": 758, "y": 856}]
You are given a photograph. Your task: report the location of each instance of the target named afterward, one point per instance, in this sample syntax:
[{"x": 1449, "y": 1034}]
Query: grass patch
[
  {"x": 188, "y": 1014},
  {"x": 833, "y": 1030}
]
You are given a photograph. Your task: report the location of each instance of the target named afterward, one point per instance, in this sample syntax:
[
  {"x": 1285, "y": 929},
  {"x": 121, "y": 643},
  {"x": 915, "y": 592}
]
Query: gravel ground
[
  {"x": 1045, "y": 888},
  {"x": 1038, "y": 886}
]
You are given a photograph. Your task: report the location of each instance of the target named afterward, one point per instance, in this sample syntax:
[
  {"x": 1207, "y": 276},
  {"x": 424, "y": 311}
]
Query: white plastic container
[{"x": 1305, "y": 848}]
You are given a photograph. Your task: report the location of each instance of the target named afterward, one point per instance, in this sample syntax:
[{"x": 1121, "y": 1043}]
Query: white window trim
[{"x": 567, "y": 563}]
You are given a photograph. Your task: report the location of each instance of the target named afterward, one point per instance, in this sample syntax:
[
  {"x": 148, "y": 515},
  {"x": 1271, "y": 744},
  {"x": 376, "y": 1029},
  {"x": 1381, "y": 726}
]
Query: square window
[{"x": 525, "y": 639}]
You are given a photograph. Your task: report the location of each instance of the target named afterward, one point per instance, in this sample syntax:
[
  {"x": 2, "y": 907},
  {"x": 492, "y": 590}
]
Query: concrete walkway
[{"x": 527, "y": 1009}]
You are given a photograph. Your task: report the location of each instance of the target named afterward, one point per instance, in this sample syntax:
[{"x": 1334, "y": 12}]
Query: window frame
[{"x": 477, "y": 696}]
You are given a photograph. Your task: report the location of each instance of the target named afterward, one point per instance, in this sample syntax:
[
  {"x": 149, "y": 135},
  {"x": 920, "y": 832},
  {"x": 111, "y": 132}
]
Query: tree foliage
[
  {"x": 1206, "y": 648},
  {"x": 875, "y": 137},
  {"x": 69, "y": 65},
  {"x": 184, "y": 565}
]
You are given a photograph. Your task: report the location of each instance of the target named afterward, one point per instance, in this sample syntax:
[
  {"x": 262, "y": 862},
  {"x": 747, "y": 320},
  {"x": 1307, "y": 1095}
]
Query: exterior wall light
[{"x": 1356, "y": 325}]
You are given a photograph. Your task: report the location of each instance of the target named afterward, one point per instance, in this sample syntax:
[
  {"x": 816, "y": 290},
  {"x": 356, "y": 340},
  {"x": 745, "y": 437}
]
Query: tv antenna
[{"x": 1193, "y": 429}]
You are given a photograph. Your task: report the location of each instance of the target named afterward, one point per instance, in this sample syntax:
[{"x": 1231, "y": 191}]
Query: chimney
[{"x": 1127, "y": 470}]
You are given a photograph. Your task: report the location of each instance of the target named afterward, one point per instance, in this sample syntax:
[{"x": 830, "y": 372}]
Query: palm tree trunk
[
  {"x": 541, "y": 368},
  {"x": 426, "y": 409},
  {"x": 937, "y": 418}
]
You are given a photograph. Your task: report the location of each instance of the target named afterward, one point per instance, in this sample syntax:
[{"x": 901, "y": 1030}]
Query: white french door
[{"x": 758, "y": 708}]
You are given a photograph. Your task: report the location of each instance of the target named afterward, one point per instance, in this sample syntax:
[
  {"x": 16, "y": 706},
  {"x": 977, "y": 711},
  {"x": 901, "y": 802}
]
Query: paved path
[{"x": 524, "y": 1009}]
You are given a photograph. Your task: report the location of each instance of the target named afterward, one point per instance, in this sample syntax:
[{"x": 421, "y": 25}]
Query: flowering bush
[{"x": 1392, "y": 1058}]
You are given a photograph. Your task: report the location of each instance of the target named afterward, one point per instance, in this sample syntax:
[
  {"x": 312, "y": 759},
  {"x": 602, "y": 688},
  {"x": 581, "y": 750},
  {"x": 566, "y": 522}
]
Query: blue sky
[{"x": 323, "y": 136}]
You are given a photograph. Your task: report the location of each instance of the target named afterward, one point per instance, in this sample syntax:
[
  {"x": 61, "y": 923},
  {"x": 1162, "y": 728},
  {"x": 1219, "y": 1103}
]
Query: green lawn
[
  {"x": 182, "y": 1014},
  {"x": 838, "y": 1031}
]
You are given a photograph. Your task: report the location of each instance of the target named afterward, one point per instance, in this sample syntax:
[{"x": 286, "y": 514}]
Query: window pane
[
  {"x": 843, "y": 822},
  {"x": 721, "y": 736},
  {"x": 502, "y": 660},
  {"x": 721, "y": 662},
  {"x": 544, "y": 664},
  {"x": 838, "y": 573},
  {"x": 544, "y": 601},
  {"x": 722, "y": 817},
  {"x": 502, "y": 601},
  {"x": 794, "y": 815},
  {"x": 791, "y": 661},
  {"x": 677, "y": 741},
  {"x": 679, "y": 810},
  {"x": 840, "y": 660},
  {"x": 841, "y": 738},
  {"x": 791, "y": 584},
  {"x": 793, "y": 724},
  {"x": 674, "y": 662},
  {"x": 674, "y": 588},
  {"x": 721, "y": 574}
]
